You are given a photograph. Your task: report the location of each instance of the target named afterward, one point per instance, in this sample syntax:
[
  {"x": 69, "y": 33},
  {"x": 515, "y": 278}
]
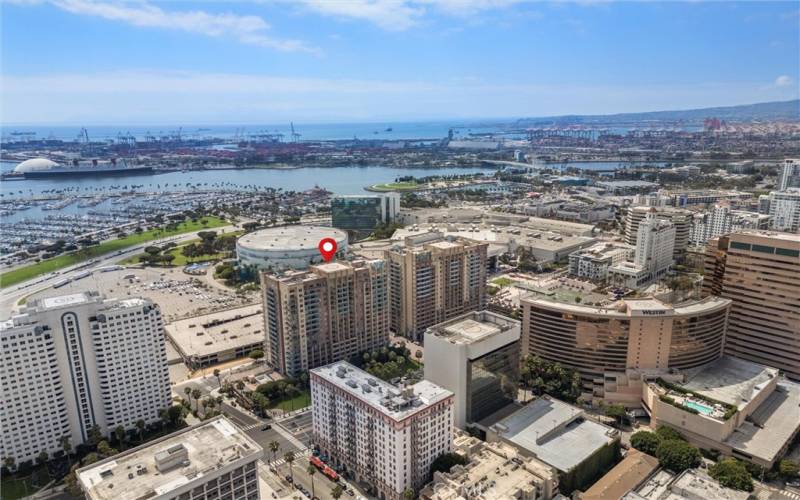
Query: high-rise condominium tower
[
  {"x": 74, "y": 362},
  {"x": 434, "y": 282},
  {"x": 325, "y": 314}
]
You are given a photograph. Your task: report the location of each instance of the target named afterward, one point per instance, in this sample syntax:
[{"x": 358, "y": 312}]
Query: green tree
[
  {"x": 274, "y": 447},
  {"x": 119, "y": 431},
  {"x": 311, "y": 471},
  {"x": 66, "y": 446},
  {"x": 446, "y": 461},
  {"x": 94, "y": 435},
  {"x": 105, "y": 450},
  {"x": 42, "y": 459},
  {"x": 188, "y": 392},
  {"x": 9, "y": 462},
  {"x": 546, "y": 377},
  {"x": 789, "y": 469},
  {"x": 616, "y": 411},
  {"x": 216, "y": 374},
  {"x": 731, "y": 473},
  {"x": 646, "y": 442},
  {"x": 677, "y": 456},
  {"x": 140, "y": 425},
  {"x": 256, "y": 354},
  {"x": 668, "y": 433},
  {"x": 408, "y": 494},
  {"x": 337, "y": 492},
  {"x": 196, "y": 395},
  {"x": 289, "y": 457}
]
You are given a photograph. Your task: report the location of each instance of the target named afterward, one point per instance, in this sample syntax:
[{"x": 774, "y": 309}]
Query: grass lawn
[
  {"x": 13, "y": 488},
  {"x": 300, "y": 401},
  {"x": 395, "y": 186},
  {"x": 72, "y": 258},
  {"x": 503, "y": 281}
]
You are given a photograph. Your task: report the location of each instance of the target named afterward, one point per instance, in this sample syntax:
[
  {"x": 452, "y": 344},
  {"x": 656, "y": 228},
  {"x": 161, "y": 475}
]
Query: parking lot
[{"x": 178, "y": 294}]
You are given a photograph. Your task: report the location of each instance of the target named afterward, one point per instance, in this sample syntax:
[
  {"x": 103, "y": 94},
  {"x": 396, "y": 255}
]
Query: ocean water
[{"x": 325, "y": 131}]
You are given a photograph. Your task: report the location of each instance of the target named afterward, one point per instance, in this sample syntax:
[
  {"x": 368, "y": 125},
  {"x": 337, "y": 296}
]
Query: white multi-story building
[
  {"x": 789, "y": 174},
  {"x": 73, "y": 362},
  {"x": 722, "y": 220},
  {"x": 655, "y": 242},
  {"x": 208, "y": 461},
  {"x": 593, "y": 263},
  {"x": 386, "y": 436},
  {"x": 784, "y": 209}
]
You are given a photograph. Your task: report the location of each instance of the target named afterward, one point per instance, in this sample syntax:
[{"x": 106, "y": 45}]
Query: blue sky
[{"x": 269, "y": 61}]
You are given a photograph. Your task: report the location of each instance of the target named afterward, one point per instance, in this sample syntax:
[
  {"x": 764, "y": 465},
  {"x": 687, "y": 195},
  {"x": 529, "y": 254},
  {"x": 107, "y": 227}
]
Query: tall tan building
[
  {"x": 433, "y": 282},
  {"x": 614, "y": 347},
  {"x": 760, "y": 272},
  {"x": 325, "y": 314}
]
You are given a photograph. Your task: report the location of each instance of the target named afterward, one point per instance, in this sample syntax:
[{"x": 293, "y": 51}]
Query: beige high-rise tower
[
  {"x": 434, "y": 282},
  {"x": 325, "y": 314},
  {"x": 760, "y": 272}
]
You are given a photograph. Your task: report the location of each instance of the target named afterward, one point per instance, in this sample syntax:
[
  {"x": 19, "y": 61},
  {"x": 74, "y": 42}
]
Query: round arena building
[{"x": 286, "y": 247}]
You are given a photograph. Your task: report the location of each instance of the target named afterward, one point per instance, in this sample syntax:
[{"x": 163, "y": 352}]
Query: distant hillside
[{"x": 764, "y": 111}]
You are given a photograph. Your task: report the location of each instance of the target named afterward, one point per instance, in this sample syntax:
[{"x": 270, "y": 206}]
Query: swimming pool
[{"x": 705, "y": 410}]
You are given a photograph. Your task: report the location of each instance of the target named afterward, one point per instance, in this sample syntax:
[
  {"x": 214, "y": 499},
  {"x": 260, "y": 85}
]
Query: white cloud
[
  {"x": 783, "y": 81},
  {"x": 251, "y": 30},
  {"x": 392, "y": 15},
  {"x": 399, "y": 15}
]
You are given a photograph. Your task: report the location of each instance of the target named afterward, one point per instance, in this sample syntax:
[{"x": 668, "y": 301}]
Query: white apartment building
[
  {"x": 482, "y": 369},
  {"x": 594, "y": 262},
  {"x": 655, "y": 242},
  {"x": 208, "y": 461},
  {"x": 386, "y": 436},
  {"x": 789, "y": 174},
  {"x": 72, "y": 362},
  {"x": 723, "y": 220},
  {"x": 784, "y": 209}
]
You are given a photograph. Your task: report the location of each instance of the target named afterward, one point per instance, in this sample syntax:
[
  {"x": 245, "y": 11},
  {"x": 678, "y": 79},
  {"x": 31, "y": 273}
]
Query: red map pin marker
[{"x": 327, "y": 247}]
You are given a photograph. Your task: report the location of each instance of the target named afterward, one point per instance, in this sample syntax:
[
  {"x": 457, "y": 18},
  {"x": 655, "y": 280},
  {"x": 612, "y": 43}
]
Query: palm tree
[
  {"x": 408, "y": 494},
  {"x": 9, "y": 462},
  {"x": 196, "y": 395},
  {"x": 274, "y": 447},
  {"x": 140, "y": 424},
  {"x": 289, "y": 457},
  {"x": 216, "y": 374},
  {"x": 188, "y": 392},
  {"x": 337, "y": 492},
  {"x": 119, "y": 431},
  {"x": 311, "y": 471},
  {"x": 66, "y": 446}
]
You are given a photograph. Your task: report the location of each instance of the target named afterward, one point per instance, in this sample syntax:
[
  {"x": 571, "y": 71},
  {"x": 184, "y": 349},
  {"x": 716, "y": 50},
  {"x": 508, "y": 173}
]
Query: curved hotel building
[{"x": 615, "y": 347}]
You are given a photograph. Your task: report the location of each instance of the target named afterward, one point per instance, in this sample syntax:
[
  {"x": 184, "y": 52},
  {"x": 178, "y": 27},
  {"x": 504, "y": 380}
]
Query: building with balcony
[
  {"x": 386, "y": 436},
  {"x": 593, "y": 263},
  {"x": 434, "y": 280},
  {"x": 211, "y": 460},
  {"x": 328, "y": 313},
  {"x": 74, "y": 362},
  {"x": 615, "y": 347}
]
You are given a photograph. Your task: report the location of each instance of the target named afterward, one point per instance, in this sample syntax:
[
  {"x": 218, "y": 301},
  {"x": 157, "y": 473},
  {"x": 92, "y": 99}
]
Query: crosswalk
[
  {"x": 252, "y": 426},
  {"x": 771, "y": 494},
  {"x": 280, "y": 461}
]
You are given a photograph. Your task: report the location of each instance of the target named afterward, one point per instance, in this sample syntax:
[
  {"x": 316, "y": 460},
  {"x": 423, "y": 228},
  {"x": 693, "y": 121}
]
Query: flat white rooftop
[
  {"x": 397, "y": 403},
  {"x": 289, "y": 238},
  {"x": 555, "y": 432},
  {"x": 473, "y": 327},
  {"x": 132, "y": 474},
  {"x": 219, "y": 331},
  {"x": 730, "y": 380}
]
